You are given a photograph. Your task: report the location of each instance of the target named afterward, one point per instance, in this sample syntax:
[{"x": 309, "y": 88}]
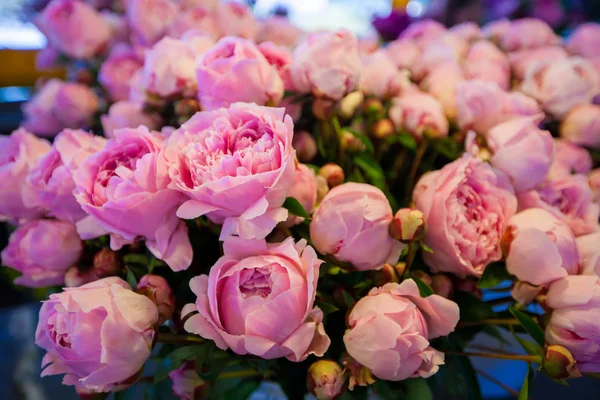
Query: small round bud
[
  {"x": 350, "y": 103},
  {"x": 408, "y": 225},
  {"x": 422, "y": 275},
  {"x": 373, "y": 107},
  {"x": 359, "y": 374},
  {"x": 442, "y": 285},
  {"x": 400, "y": 267},
  {"x": 325, "y": 379},
  {"x": 383, "y": 128},
  {"x": 323, "y": 108},
  {"x": 322, "y": 188},
  {"x": 305, "y": 145},
  {"x": 157, "y": 289},
  {"x": 350, "y": 142},
  {"x": 186, "y": 107},
  {"x": 74, "y": 277},
  {"x": 386, "y": 274},
  {"x": 107, "y": 263},
  {"x": 559, "y": 363},
  {"x": 83, "y": 76},
  {"x": 333, "y": 174}
]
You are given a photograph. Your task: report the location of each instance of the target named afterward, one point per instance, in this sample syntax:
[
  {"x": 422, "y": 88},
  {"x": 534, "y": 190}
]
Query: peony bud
[
  {"x": 383, "y": 128},
  {"x": 400, "y": 267},
  {"x": 322, "y": 188},
  {"x": 422, "y": 275},
  {"x": 325, "y": 379},
  {"x": 161, "y": 293},
  {"x": 408, "y": 225},
  {"x": 323, "y": 108},
  {"x": 385, "y": 275},
  {"x": 305, "y": 146},
  {"x": 333, "y": 173},
  {"x": 373, "y": 107},
  {"x": 442, "y": 285},
  {"x": 107, "y": 263},
  {"x": 74, "y": 277},
  {"x": 359, "y": 374},
  {"x": 350, "y": 103},
  {"x": 559, "y": 363},
  {"x": 350, "y": 142}
]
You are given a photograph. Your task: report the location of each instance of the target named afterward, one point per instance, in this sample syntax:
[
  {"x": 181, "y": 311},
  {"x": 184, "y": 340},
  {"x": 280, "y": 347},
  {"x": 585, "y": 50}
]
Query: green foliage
[
  {"x": 424, "y": 289},
  {"x": 295, "y": 208},
  {"x": 131, "y": 279},
  {"x": 472, "y": 309},
  {"x": 176, "y": 359},
  {"x": 524, "y": 394},
  {"x": 364, "y": 139},
  {"x": 417, "y": 389},
  {"x": 493, "y": 275},
  {"x": 532, "y": 327}
]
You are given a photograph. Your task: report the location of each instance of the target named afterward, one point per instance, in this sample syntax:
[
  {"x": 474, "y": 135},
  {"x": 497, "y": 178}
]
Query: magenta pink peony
[
  {"x": 304, "y": 190},
  {"x": 19, "y": 154},
  {"x": 236, "y": 70},
  {"x": 527, "y": 33},
  {"x": 351, "y": 218},
  {"x": 280, "y": 31},
  {"x": 117, "y": 70},
  {"x": 127, "y": 114},
  {"x": 419, "y": 114},
  {"x": 150, "y": 19},
  {"x": 236, "y": 166},
  {"x": 236, "y": 19},
  {"x": 50, "y": 184},
  {"x": 280, "y": 58},
  {"x": 590, "y": 253},
  {"x": 42, "y": 250},
  {"x": 561, "y": 85},
  {"x": 467, "y": 205},
  {"x": 575, "y": 302},
  {"x": 570, "y": 159},
  {"x": 124, "y": 187},
  {"x": 74, "y": 28},
  {"x": 540, "y": 248},
  {"x": 486, "y": 62},
  {"x": 247, "y": 287},
  {"x": 582, "y": 125},
  {"x": 327, "y": 64},
  {"x": 522, "y": 151},
  {"x": 200, "y": 18},
  {"x": 523, "y": 60},
  {"x": 585, "y": 40},
  {"x": 390, "y": 328},
  {"x": 99, "y": 335},
  {"x": 380, "y": 76}
]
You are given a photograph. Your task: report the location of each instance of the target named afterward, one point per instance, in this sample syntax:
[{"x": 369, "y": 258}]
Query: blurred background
[{"x": 20, "y": 41}]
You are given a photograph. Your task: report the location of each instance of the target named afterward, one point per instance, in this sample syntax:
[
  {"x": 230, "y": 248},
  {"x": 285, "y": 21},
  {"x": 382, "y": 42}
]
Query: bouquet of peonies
[{"x": 258, "y": 203}]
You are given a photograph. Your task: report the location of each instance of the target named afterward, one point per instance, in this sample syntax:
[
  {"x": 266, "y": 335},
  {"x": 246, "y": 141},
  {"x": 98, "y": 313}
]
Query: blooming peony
[
  {"x": 582, "y": 125},
  {"x": 126, "y": 114},
  {"x": 117, "y": 70},
  {"x": 420, "y": 114}
]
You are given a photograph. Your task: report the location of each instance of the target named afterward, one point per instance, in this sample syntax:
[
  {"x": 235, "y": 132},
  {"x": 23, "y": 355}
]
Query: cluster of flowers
[{"x": 210, "y": 120}]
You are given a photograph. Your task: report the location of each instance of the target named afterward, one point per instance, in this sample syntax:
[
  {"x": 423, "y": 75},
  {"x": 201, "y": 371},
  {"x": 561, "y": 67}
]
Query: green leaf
[
  {"x": 134, "y": 258},
  {"x": 348, "y": 300},
  {"x": 426, "y": 248},
  {"x": 177, "y": 358},
  {"x": 407, "y": 141},
  {"x": 529, "y": 325},
  {"x": 417, "y": 389},
  {"x": 448, "y": 147},
  {"x": 404, "y": 252},
  {"x": 327, "y": 308},
  {"x": 493, "y": 275},
  {"x": 243, "y": 390},
  {"x": 371, "y": 168},
  {"x": 533, "y": 349},
  {"x": 472, "y": 309},
  {"x": 131, "y": 279},
  {"x": 295, "y": 208},
  {"x": 524, "y": 394},
  {"x": 424, "y": 289},
  {"x": 364, "y": 139}
]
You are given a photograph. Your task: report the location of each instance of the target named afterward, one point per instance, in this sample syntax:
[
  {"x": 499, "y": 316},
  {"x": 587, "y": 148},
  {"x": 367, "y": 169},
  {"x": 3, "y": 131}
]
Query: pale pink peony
[
  {"x": 486, "y": 62},
  {"x": 585, "y": 40},
  {"x": 99, "y": 335},
  {"x": 527, "y": 33},
  {"x": 442, "y": 83},
  {"x": 352, "y": 224},
  {"x": 236, "y": 166},
  {"x": 124, "y": 187},
  {"x": 570, "y": 159},
  {"x": 523, "y": 60},
  {"x": 248, "y": 286},
  {"x": 380, "y": 77},
  {"x": 404, "y": 53},
  {"x": 419, "y": 114},
  {"x": 390, "y": 328},
  {"x": 468, "y": 31},
  {"x": 161, "y": 293},
  {"x": 304, "y": 190},
  {"x": 447, "y": 48},
  {"x": 198, "y": 18},
  {"x": 467, "y": 205},
  {"x": 150, "y": 19},
  {"x": 42, "y": 250},
  {"x": 236, "y": 19},
  {"x": 594, "y": 181},
  {"x": 280, "y": 31},
  {"x": 281, "y": 59},
  {"x": 126, "y": 114},
  {"x": 582, "y": 125},
  {"x": 424, "y": 31},
  {"x": 590, "y": 253},
  {"x": 117, "y": 70}
]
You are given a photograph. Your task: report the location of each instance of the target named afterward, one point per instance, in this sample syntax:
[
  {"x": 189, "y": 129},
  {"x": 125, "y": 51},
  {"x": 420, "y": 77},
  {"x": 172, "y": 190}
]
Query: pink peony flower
[
  {"x": 569, "y": 198},
  {"x": 468, "y": 31},
  {"x": 590, "y": 253},
  {"x": 404, "y": 53},
  {"x": 467, "y": 205},
  {"x": 280, "y": 31},
  {"x": 447, "y": 48},
  {"x": 124, "y": 187},
  {"x": 99, "y": 335},
  {"x": 169, "y": 69},
  {"x": 582, "y": 125},
  {"x": 594, "y": 181},
  {"x": 187, "y": 385},
  {"x": 59, "y": 105},
  {"x": 161, "y": 293},
  {"x": 481, "y": 105},
  {"x": 527, "y": 33},
  {"x": 281, "y": 59},
  {"x": 117, "y": 70},
  {"x": 47, "y": 58},
  {"x": 539, "y": 247},
  {"x": 561, "y": 85},
  {"x": 352, "y": 224},
  {"x": 198, "y": 40},
  {"x": 198, "y": 18},
  {"x": 575, "y": 301},
  {"x": 150, "y": 19},
  {"x": 235, "y": 70},
  {"x": 236, "y": 166},
  {"x": 523, "y": 60},
  {"x": 50, "y": 183},
  {"x": 585, "y": 40},
  {"x": 391, "y": 327},
  {"x": 251, "y": 283},
  {"x": 420, "y": 114},
  {"x": 327, "y": 64},
  {"x": 125, "y": 114},
  {"x": 236, "y": 19},
  {"x": 486, "y": 62},
  {"x": 441, "y": 83},
  {"x": 380, "y": 76},
  {"x": 570, "y": 159},
  {"x": 424, "y": 31},
  {"x": 19, "y": 154},
  {"x": 304, "y": 190},
  {"x": 74, "y": 28},
  {"x": 495, "y": 30},
  {"x": 522, "y": 151},
  {"x": 42, "y": 250}
]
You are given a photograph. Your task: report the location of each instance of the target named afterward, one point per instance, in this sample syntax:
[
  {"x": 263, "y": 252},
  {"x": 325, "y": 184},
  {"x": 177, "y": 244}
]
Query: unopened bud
[
  {"x": 350, "y": 103},
  {"x": 107, "y": 263},
  {"x": 305, "y": 145},
  {"x": 359, "y": 374},
  {"x": 559, "y": 363},
  {"x": 408, "y": 225},
  {"x": 373, "y": 107},
  {"x": 322, "y": 188},
  {"x": 333, "y": 174},
  {"x": 75, "y": 277},
  {"x": 323, "y": 108},
  {"x": 383, "y": 128},
  {"x": 422, "y": 275},
  {"x": 400, "y": 268},
  {"x": 350, "y": 142},
  {"x": 186, "y": 107},
  {"x": 442, "y": 285},
  {"x": 160, "y": 292},
  {"x": 325, "y": 379},
  {"x": 386, "y": 274}
]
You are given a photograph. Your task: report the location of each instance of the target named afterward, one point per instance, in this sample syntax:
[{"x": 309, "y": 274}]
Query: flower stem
[
  {"x": 409, "y": 259},
  {"x": 247, "y": 373},
  {"x": 172, "y": 338},
  {"x": 497, "y": 382},
  {"x": 414, "y": 168},
  {"x": 518, "y": 357},
  {"x": 490, "y": 321}
]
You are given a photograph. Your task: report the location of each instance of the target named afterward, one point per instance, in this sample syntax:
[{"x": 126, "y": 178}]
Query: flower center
[{"x": 256, "y": 282}]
